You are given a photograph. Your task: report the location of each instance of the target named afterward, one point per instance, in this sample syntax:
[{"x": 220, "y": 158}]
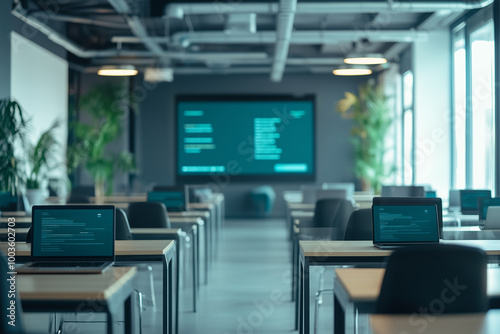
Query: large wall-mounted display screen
[{"x": 245, "y": 137}]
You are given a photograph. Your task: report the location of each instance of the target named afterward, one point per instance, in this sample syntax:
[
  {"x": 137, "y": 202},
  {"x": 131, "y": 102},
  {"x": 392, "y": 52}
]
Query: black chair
[
  {"x": 434, "y": 279},
  {"x": 415, "y": 201},
  {"x": 5, "y": 302},
  {"x": 148, "y": 214},
  {"x": 76, "y": 198},
  {"x": 330, "y": 217},
  {"x": 360, "y": 226},
  {"x": 403, "y": 191},
  {"x": 122, "y": 226}
]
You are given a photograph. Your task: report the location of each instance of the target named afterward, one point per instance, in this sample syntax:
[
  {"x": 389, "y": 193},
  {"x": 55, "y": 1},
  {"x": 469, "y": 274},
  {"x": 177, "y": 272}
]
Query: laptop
[
  {"x": 71, "y": 239},
  {"x": 469, "y": 200},
  {"x": 415, "y": 201},
  {"x": 175, "y": 198},
  {"x": 484, "y": 204},
  {"x": 395, "y": 226},
  {"x": 492, "y": 221}
]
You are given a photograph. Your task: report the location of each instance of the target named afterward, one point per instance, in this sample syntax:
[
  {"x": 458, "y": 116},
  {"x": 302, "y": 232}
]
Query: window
[
  {"x": 473, "y": 149},
  {"x": 408, "y": 151}
]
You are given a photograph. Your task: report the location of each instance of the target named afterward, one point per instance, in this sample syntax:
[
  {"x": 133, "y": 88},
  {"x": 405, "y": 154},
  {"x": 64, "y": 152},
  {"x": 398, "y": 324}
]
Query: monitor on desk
[
  {"x": 485, "y": 203},
  {"x": 174, "y": 198},
  {"x": 469, "y": 200}
]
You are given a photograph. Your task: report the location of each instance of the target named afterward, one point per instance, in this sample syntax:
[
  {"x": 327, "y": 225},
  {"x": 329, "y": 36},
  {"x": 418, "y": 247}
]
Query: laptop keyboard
[{"x": 66, "y": 264}]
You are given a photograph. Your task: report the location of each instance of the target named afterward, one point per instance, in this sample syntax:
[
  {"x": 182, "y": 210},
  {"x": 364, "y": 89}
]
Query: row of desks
[
  {"x": 60, "y": 293},
  {"x": 203, "y": 224}
]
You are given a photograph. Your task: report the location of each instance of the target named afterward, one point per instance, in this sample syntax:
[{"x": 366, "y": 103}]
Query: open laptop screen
[
  {"x": 405, "y": 223},
  {"x": 469, "y": 200},
  {"x": 174, "y": 200},
  {"x": 485, "y": 203},
  {"x": 73, "y": 232}
]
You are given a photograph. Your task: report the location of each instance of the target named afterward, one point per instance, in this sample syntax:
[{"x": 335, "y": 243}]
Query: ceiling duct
[
  {"x": 284, "y": 27},
  {"x": 179, "y": 10},
  {"x": 241, "y": 23}
]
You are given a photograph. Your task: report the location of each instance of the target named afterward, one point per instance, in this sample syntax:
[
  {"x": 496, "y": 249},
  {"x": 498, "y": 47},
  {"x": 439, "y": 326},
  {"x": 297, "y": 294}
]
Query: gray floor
[{"x": 248, "y": 290}]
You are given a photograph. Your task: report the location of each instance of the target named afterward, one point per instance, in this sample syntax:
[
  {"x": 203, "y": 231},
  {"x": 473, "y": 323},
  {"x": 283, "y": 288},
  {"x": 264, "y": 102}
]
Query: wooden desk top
[
  {"x": 119, "y": 199},
  {"x": 301, "y": 214},
  {"x": 322, "y": 248},
  {"x": 181, "y": 219},
  {"x": 24, "y": 219},
  {"x": 200, "y": 206},
  {"x": 74, "y": 286},
  {"x": 363, "y": 284},
  {"x": 191, "y": 214},
  {"x": 13, "y": 213},
  {"x": 122, "y": 247},
  {"x": 156, "y": 230},
  {"x": 488, "y": 323},
  {"x": 301, "y": 206}
]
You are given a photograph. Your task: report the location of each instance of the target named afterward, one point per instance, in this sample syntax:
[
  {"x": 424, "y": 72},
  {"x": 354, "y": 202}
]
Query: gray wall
[
  {"x": 155, "y": 129},
  {"x": 5, "y": 28}
]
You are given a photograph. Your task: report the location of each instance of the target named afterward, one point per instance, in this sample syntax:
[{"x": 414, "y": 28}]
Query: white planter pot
[{"x": 36, "y": 196}]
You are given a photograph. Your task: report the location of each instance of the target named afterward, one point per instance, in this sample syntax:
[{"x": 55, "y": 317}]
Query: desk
[
  {"x": 488, "y": 323},
  {"x": 212, "y": 228},
  {"x": 321, "y": 253},
  {"x": 202, "y": 218},
  {"x": 169, "y": 234},
  {"x": 163, "y": 251},
  {"x": 358, "y": 289},
  {"x": 82, "y": 293}
]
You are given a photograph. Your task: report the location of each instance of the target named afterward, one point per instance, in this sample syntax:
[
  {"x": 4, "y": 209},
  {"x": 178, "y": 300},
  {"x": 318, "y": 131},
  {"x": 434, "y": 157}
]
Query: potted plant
[
  {"x": 371, "y": 116},
  {"x": 12, "y": 137},
  {"x": 41, "y": 158},
  {"x": 104, "y": 104}
]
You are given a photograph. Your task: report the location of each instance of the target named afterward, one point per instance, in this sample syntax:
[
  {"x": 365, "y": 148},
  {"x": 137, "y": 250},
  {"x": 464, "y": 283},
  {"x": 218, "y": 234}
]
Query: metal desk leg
[
  {"x": 130, "y": 314},
  {"x": 338, "y": 316},
  {"x": 110, "y": 321}
]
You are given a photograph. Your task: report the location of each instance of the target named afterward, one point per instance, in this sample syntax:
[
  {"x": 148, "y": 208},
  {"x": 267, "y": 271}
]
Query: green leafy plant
[
  {"x": 12, "y": 136},
  {"x": 371, "y": 116},
  {"x": 104, "y": 103},
  {"x": 42, "y": 157}
]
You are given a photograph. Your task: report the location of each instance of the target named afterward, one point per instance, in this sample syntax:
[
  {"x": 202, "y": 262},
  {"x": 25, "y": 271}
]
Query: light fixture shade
[
  {"x": 365, "y": 59},
  {"x": 117, "y": 71},
  {"x": 352, "y": 71}
]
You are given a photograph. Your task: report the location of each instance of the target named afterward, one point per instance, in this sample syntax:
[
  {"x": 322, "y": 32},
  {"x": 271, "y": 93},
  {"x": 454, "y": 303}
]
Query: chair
[
  {"x": 5, "y": 302},
  {"x": 75, "y": 198},
  {"x": 434, "y": 279},
  {"x": 359, "y": 226},
  {"x": 332, "y": 214},
  {"x": 123, "y": 231},
  {"x": 148, "y": 214},
  {"x": 403, "y": 191}
]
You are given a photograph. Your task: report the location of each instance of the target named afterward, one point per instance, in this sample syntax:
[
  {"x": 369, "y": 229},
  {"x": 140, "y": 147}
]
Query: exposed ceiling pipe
[
  {"x": 298, "y": 37},
  {"x": 179, "y": 10},
  {"x": 135, "y": 24},
  {"x": 82, "y": 20},
  {"x": 78, "y": 51},
  {"x": 284, "y": 27}
]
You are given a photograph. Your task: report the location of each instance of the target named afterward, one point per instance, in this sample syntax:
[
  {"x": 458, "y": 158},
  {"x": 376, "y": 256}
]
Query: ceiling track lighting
[
  {"x": 117, "y": 71},
  {"x": 352, "y": 71}
]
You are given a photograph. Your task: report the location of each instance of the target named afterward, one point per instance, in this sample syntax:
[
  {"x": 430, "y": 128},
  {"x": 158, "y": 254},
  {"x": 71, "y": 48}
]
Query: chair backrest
[
  {"x": 332, "y": 213},
  {"x": 360, "y": 226},
  {"x": 122, "y": 226},
  {"x": 5, "y": 302},
  {"x": 76, "y": 198},
  {"x": 83, "y": 190},
  {"x": 415, "y": 201},
  {"x": 434, "y": 279},
  {"x": 454, "y": 198},
  {"x": 148, "y": 214},
  {"x": 331, "y": 193},
  {"x": 403, "y": 191}
]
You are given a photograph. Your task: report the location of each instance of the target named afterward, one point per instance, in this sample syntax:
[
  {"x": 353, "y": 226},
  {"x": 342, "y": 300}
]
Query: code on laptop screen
[
  {"x": 73, "y": 232},
  {"x": 412, "y": 223}
]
